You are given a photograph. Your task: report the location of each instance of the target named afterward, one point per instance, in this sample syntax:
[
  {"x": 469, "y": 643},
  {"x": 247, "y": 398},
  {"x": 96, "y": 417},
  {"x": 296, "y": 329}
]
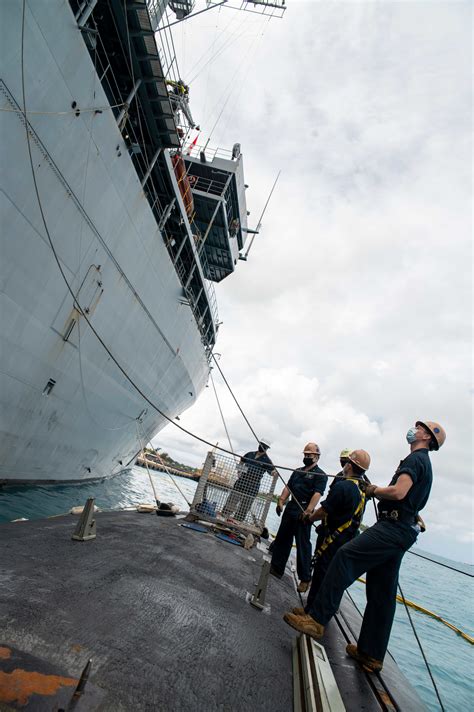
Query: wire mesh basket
[{"x": 231, "y": 490}]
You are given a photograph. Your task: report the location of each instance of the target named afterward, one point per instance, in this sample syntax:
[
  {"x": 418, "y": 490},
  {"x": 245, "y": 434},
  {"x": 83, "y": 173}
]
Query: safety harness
[{"x": 354, "y": 522}]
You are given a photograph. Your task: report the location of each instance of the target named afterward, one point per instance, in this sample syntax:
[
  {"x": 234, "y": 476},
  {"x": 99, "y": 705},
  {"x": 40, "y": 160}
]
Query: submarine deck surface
[{"x": 162, "y": 612}]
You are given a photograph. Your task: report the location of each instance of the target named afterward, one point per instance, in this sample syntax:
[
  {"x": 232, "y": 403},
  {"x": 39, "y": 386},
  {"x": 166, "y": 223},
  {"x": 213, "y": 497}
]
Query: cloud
[{"x": 352, "y": 317}]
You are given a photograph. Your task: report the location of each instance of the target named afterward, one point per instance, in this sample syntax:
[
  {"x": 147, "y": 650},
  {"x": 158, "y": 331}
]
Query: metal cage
[{"x": 233, "y": 491}]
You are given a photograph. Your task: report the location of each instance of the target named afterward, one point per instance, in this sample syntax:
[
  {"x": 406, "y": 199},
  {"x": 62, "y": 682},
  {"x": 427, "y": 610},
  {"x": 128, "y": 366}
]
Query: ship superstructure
[{"x": 140, "y": 229}]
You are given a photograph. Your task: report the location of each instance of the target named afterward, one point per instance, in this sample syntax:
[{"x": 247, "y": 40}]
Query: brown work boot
[
  {"x": 368, "y": 664},
  {"x": 298, "y": 611},
  {"x": 304, "y": 624},
  {"x": 303, "y": 586}
]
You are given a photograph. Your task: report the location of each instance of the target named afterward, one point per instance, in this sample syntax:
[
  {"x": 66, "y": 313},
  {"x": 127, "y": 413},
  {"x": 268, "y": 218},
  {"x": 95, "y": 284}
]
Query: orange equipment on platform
[{"x": 183, "y": 183}]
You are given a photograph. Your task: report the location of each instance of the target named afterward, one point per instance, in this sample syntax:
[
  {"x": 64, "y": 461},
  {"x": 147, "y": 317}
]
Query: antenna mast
[{"x": 259, "y": 225}]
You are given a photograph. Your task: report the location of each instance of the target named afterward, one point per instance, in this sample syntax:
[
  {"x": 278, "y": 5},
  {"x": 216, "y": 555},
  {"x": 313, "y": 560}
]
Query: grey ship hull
[{"x": 113, "y": 255}]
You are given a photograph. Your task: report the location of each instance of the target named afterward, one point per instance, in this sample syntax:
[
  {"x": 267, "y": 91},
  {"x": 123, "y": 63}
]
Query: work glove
[
  {"x": 369, "y": 492},
  {"x": 279, "y": 508}
]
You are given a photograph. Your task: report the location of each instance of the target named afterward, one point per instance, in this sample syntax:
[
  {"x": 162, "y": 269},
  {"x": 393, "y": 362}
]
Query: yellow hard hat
[
  {"x": 312, "y": 449},
  {"x": 361, "y": 458},
  {"x": 438, "y": 433},
  {"x": 345, "y": 453}
]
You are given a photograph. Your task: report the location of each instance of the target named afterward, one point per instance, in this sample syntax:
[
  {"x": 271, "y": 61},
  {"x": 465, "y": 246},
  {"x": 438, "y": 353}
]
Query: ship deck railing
[
  {"x": 210, "y": 152},
  {"x": 269, "y": 8}
]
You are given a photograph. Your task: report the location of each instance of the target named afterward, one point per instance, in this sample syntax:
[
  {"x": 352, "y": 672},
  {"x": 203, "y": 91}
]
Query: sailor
[
  {"x": 378, "y": 551},
  {"x": 306, "y": 485},
  {"x": 343, "y": 460},
  {"x": 341, "y": 514},
  {"x": 321, "y": 529},
  {"x": 178, "y": 87},
  {"x": 252, "y": 466}
]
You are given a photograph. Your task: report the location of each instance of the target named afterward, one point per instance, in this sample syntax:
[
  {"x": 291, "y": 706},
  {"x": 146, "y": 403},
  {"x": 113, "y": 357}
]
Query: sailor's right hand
[{"x": 279, "y": 508}]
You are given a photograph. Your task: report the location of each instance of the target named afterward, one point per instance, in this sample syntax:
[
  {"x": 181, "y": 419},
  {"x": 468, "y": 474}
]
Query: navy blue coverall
[
  {"x": 340, "y": 505},
  {"x": 303, "y": 484},
  {"x": 378, "y": 551}
]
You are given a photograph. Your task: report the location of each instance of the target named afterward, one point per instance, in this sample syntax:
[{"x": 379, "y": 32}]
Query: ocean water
[{"x": 445, "y": 592}]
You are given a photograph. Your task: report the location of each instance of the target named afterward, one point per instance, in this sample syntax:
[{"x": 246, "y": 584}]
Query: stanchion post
[
  {"x": 86, "y": 527},
  {"x": 258, "y": 598},
  {"x": 200, "y": 489}
]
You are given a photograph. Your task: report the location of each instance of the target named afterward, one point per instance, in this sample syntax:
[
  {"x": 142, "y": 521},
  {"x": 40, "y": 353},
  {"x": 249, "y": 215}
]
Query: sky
[{"x": 352, "y": 317}]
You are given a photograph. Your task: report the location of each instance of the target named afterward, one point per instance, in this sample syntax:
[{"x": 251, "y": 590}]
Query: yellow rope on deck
[{"x": 417, "y": 607}]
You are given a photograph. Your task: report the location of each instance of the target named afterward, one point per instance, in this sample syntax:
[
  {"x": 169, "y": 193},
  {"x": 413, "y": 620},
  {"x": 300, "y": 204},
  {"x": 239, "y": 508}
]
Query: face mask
[
  {"x": 308, "y": 461},
  {"x": 411, "y": 435}
]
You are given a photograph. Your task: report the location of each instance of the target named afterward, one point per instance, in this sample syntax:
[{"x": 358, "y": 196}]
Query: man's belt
[{"x": 395, "y": 515}]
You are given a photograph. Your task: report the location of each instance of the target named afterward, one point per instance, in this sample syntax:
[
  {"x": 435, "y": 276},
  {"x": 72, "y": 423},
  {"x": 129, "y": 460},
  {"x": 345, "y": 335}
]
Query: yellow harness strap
[{"x": 355, "y": 519}]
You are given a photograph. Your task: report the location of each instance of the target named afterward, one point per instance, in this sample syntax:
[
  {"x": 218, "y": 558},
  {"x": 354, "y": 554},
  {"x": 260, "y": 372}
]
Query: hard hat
[
  {"x": 312, "y": 449},
  {"x": 265, "y": 441},
  {"x": 361, "y": 458},
  {"x": 438, "y": 433},
  {"x": 345, "y": 453}
]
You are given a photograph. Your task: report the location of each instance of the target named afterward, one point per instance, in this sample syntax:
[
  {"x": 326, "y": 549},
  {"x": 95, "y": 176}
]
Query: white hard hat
[{"x": 265, "y": 441}]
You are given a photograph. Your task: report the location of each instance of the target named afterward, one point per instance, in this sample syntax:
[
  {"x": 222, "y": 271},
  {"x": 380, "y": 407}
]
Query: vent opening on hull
[{"x": 49, "y": 387}]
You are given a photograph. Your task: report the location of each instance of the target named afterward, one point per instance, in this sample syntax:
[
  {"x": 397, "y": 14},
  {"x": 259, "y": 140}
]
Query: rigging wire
[
  {"x": 164, "y": 465},
  {"x": 401, "y": 593},
  {"x": 421, "y": 649},
  {"x": 24, "y": 112},
  {"x": 146, "y": 463},
  {"x": 231, "y": 89},
  {"x": 436, "y": 617},
  {"x": 220, "y": 411},
  {"x": 86, "y": 402},
  {"x": 251, "y": 62},
  {"x": 210, "y": 47},
  {"x": 235, "y": 399},
  {"x": 223, "y": 47},
  {"x": 173, "y": 46},
  {"x": 446, "y": 566},
  {"x": 259, "y": 224},
  {"x": 188, "y": 17},
  {"x": 414, "y": 553}
]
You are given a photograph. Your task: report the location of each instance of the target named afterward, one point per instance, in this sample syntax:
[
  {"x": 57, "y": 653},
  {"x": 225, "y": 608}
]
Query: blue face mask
[{"x": 411, "y": 435}]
